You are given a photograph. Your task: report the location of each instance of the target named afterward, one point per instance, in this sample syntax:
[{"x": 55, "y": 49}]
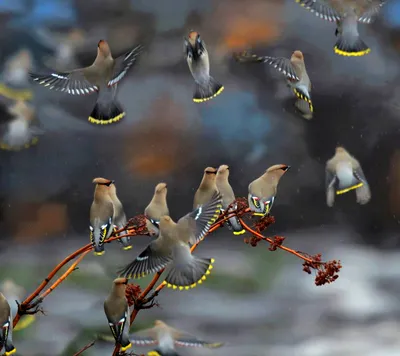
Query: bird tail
[
  {"x": 207, "y": 92},
  {"x": 157, "y": 352},
  {"x": 15, "y": 94},
  {"x": 99, "y": 250},
  {"x": 235, "y": 225},
  {"x": 352, "y": 46},
  {"x": 10, "y": 348},
  {"x": 125, "y": 343},
  {"x": 106, "y": 113},
  {"x": 304, "y": 109},
  {"x": 188, "y": 276},
  {"x": 24, "y": 322},
  {"x": 125, "y": 241}
]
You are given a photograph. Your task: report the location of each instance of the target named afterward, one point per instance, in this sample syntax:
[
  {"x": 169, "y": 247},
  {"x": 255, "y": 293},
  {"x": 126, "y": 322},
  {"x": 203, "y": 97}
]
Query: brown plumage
[
  {"x": 207, "y": 187},
  {"x": 156, "y": 208},
  {"x": 102, "y": 77},
  {"x": 263, "y": 190},
  {"x": 343, "y": 174},
  {"x": 6, "y": 327},
  {"x": 117, "y": 312},
  {"x": 101, "y": 215}
]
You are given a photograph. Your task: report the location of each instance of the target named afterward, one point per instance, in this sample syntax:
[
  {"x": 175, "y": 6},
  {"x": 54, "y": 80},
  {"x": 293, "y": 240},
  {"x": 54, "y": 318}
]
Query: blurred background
[{"x": 259, "y": 302}]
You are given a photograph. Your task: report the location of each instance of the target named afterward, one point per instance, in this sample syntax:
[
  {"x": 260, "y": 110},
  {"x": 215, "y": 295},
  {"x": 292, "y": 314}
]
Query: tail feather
[
  {"x": 207, "y": 92},
  {"x": 106, "y": 114},
  {"x": 15, "y": 94},
  {"x": 99, "y": 250},
  {"x": 158, "y": 352},
  {"x": 10, "y": 348},
  {"x": 188, "y": 276},
  {"x": 235, "y": 225},
  {"x": 125, "y": 343},
  {"x": 24, "y": 322},
  {"x": 351, "y": 46},
  {"x": 7, "y": 145}
]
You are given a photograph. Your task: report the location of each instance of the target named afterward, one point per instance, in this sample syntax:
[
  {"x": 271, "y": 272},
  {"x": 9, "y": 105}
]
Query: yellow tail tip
[
  {"x": 106, "y": 122},
  {"x": 24, "y": 322},
  {"x": 351, "y": 54},
  {"x": 6, "y": 147},
  {"x": 259, "y": 214},
  {"x": 13, "y": 351},
  {"x": 202, "y": 100},
  {"x": 15, "y": 94},
  {"x": 126, "y": 248},
  {"x": 123, "y": 349},
  {"x": 153, "y": 353},
  {"x": 338, "y": 192},
  {"x": 99, "y": 253},
  {"x": 241, "y": 232}
]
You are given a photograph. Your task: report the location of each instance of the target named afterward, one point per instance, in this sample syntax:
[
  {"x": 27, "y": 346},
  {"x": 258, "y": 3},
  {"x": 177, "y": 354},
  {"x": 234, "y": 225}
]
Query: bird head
[
  {"x": 103, "y": 181},
  {"x": 194, "y": 38},
  {"x": 161, "y": 188},
  {"x": 210, "y": 171},
  {"x": 298, "y": 55},
  {"x": 103, "y": 48},
  {"x": 159, "y": 323},
  {"x": 121, "y": 281},
  {"x": 278, "y": 169},
  {"x": 223, "y": 171}
]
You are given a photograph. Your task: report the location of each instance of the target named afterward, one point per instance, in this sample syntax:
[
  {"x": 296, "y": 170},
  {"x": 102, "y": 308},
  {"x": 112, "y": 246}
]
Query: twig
[{"x": 81, "y": 351}]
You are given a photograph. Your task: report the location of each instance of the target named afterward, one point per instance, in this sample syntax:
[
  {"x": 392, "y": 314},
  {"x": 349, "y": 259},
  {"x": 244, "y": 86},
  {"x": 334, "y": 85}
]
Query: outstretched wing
[
  {"x": 330, "y": 181},
  {"x": 73, "y": 82},
  {"x": 320, "y": 9},
  {"x": 363, "y": 193},
  {"x": 369, "y": 15},
  {"x": 123, "y": 64},
  {"x": 143, "y": 338},
  {"x": 184, "y": 339}
]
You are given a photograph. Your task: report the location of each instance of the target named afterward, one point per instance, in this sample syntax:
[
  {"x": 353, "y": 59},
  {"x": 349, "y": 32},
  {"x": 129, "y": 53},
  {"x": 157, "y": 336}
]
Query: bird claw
[
  {"x": 30, "y": 309},
  {"x": 146, "y": 303}
]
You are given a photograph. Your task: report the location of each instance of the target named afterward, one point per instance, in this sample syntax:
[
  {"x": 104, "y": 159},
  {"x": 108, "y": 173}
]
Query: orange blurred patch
[{"x": 36, "y": 222}]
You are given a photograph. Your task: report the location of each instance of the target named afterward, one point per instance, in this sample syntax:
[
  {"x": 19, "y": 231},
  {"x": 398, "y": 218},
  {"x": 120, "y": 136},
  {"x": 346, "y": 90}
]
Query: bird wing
[
  {"x": 320, "y": 9},
  {"x": 283, "y": 65},
  {"x": 184, "y": 339},
  {"x": 369, "y": 15},
  {"x": 117, "y": 328},
  {"x": 143, "y": 338},
  {"x": 363, "y": 193},
  {"x": 123, "y": 64},
  {"x": 199, "y": 221},
  {"x": 151, "y": 260},
  {"x": 5, "y": 329},
  {"x": 73, "y": 82},
  {"x": 330, "y": 181}
]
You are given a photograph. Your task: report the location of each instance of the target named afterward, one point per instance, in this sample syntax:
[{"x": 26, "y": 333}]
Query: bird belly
[{"x": 346, "y": 178}]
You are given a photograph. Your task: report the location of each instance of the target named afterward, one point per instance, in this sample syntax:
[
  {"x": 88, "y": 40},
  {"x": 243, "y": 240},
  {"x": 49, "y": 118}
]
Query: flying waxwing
[
  {"x": 19, "y": 131},
  {"x": 166, "y": 338},
  {"x": 101, "y": 215},
  {"x": 119, "y": 218},
  {"x": 12, "y": 291},
  {"x": 171, "y": 248},
  {"x": 197, "y": 59},
  {"x": 346, "y": 14},
  {"x": 15, "y": 76},
  {"x": 117, "y": 312},
  {"x": 6, "y": 322},
  {"x": 156, "y": 208},
  {"x": 228, "y": 197},
  {"x": 101, "y": 77},
  {"x": 294, "y": 69},
  {"x": 207, "y": 187},
  {"x": 343, "y": 173},
  {"x": 262, "y": 191}
]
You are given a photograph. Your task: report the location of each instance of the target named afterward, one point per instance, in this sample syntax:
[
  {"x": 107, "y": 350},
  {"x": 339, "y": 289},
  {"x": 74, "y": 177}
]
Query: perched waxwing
[
  {"x": 101, "y": 77},
  {"x": 207, "y": 187},
  {"x": 63, "y": 45},
  {"x": 262, "y": 191},
  {"x": 294, "y": 69},
  {"x": 101, "y": 215},
  {"x": 343, "y": 173},
  {"x": 117, "y": 312},
  {"x": 6, "y": 322},
  {"x": 166, "y": 338},
  {"x": 346, "y": 14},
  {"x": 171, "y": 248},
  {"x": 119, "y": 218},
  {"x": 15, "y": 83},
  {"x": 12, "y": 291},
  {"x": 19, "y": 131},
  {"x": 198, "y": 61},
  {"x": 157, "y": 207},
  {"x": 228, "y": 197}
]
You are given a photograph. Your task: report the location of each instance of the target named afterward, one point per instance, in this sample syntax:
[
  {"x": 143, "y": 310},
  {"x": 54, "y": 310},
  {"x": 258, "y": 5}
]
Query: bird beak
[{"x": 287, "y": 168}]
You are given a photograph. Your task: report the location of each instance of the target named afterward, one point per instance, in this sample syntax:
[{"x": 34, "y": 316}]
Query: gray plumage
[
  {"x": 6, "y": 331},
  {"x": 119, "y": 218},
  {"x": 343, "y": 174},
  {"x": 197, "y": 59},
  {"x": 167, "y": 338},
  {"x": 101, "y": 215},
  {"x": 228, "y": 197},
  {"x": 347, "y": 14},
  {"x": 263, "y": 190},
  {"x": 156, "y": 208},
  {"x": 118, "y": 314},
  {"x": 171, "y": 249},
  {"x": 101, "y": 77},
  {"x": 207, "y": 187}
]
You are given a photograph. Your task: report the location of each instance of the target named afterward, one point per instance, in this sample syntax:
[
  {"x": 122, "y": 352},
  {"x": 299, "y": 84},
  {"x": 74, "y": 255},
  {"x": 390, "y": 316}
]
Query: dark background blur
[{"x": 259, "y": 302}]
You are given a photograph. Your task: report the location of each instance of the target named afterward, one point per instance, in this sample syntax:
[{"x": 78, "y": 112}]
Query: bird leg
[
  {"x": 146, "y": 303},
  {"x": 31, "y": 308}
]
